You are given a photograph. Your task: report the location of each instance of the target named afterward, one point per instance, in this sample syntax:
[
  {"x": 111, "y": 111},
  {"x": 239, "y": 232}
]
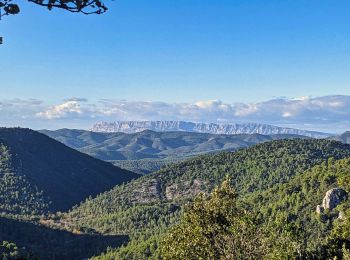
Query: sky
[{"x": 278, "y": 62}]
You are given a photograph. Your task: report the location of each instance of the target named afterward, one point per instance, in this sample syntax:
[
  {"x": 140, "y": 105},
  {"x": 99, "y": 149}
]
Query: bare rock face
[
  {"x": 146, "y": 192},
  {"x": 333, "y": 198},
  {"x": 165, "y": 126},
  {"x": 185, "y": 189}
]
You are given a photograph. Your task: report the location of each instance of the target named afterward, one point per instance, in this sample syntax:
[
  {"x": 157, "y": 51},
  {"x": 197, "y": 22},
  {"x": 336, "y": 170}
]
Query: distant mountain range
[
  {"x": 148, "y": 151},
  {"x": 344, "y": 138},
  {"x": 211, "y": 128},
  {"x": 155, "y": 145}
]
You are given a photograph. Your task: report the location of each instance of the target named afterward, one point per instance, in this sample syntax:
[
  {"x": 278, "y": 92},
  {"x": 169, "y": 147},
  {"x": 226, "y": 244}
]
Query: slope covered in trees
[
  {"x": 280, "y": 223},
  {"x": 145, "y": 166},
  {"x": 293, "y": 205},
  {"x": 155, "y": 145},
  {"x": 277, "y": 186},
  {"x": 146, "y": 207},
  {"x": 39, "y": 174},
  {"x": 17, "y": 195}
]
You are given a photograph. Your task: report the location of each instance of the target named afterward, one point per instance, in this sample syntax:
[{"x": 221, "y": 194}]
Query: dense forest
[
  {"x": 38, "y": 168},
  {"x": 146, "y": 207},
  {"x": 17, "y": 195},
  {"x": 145, "y": 166},
  {"x": 279, "y": 223},
  {"x": 220, "y": 226},
  {"x": 266, "y": 201},
  {"x": 38, "y": 177}
]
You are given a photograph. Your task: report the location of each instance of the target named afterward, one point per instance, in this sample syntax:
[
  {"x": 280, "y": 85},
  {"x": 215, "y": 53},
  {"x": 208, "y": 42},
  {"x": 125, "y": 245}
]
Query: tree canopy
[{"x": 215, "y": 227}]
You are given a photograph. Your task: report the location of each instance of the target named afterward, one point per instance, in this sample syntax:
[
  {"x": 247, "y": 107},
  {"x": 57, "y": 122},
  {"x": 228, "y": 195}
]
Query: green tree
[
  {"x": 8, "y": 250},
  {"x": 215, "y": 227}
]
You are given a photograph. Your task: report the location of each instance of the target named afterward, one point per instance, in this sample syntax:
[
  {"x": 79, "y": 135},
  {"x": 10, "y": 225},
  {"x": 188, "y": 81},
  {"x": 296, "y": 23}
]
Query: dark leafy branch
[
  {"x": 76, "y": 6},
  {"x": 7, "y": 7}
]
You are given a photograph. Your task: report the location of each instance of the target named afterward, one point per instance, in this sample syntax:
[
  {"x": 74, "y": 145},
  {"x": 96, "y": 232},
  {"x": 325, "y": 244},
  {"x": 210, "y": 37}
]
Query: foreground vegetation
[{"x": 215, "y": 227}]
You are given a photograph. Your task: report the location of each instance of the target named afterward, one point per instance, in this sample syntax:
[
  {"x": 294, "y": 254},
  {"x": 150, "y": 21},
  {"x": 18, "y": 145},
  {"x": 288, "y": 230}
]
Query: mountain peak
[{"x": 211, "y": 128}]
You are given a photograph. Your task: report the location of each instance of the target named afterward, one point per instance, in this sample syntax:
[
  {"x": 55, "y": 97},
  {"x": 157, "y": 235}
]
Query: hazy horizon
[{"x": 324, "y": 114}]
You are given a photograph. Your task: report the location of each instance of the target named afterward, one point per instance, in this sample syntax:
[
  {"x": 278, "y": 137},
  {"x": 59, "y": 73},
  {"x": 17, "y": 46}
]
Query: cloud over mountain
[{"x": 305, "y": 112}]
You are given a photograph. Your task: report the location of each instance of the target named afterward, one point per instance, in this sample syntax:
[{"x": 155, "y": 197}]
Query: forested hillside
[
  {"x": 146, "y": 207},
  {"x": 145, "y": 166},
  {"x": 17, "y": 194},
  {"x": 39, "y": 174},
  {"x": 294, "y": 205},
  {"x": 155, "y": 145},
  {"x": 278, "y": 189},
  {"x": 284, "y": 222}
]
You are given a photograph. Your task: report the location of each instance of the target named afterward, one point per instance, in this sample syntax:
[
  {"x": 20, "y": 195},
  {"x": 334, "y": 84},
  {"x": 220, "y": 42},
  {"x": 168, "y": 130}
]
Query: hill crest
[{"x": 63, "y": 175}]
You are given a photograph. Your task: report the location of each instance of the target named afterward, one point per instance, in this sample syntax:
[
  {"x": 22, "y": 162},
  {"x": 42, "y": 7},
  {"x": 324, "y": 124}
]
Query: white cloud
[
  {"x": 328, "y": 112},
  {"x": 64, "y": 110}
]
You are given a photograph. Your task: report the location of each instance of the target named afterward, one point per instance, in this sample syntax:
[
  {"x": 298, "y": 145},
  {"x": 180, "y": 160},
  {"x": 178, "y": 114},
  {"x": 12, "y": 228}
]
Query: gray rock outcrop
[
  {"x": 165, "y": 126},
  {"x": 333, "y": 198}
]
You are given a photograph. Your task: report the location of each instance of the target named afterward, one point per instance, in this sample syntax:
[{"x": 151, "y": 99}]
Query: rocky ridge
[{"x": 212, "y": 128}]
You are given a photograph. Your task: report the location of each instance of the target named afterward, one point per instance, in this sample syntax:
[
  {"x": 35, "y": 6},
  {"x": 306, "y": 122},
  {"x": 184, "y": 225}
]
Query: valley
[
  {"x": 279, "y": 180},
  {"x": 147, "y": 151}
]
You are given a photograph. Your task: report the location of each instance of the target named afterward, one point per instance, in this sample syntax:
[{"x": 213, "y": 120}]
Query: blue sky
[{"x": 181, "y": 51}]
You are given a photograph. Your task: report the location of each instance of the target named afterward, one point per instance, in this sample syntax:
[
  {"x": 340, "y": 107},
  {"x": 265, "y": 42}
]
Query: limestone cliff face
[
  {"x": 211, "y": 128},
  {"x": 146, "y": 192},
  {"x": 149, "y": 191},
  {"x": 332, "y": 199},
  {"x": 184, "y": 190}
]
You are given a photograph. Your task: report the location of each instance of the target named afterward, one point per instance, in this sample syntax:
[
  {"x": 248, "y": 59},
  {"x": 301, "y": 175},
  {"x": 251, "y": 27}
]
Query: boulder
[{"x": 333, "y": 198}]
